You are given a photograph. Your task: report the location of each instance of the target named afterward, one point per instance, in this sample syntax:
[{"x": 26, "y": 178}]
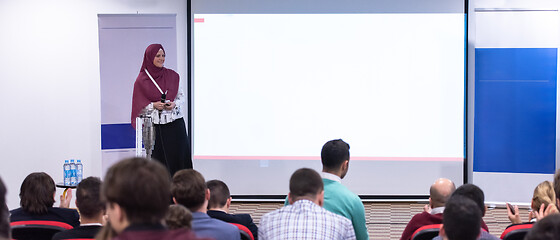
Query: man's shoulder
[
  {"x": 277, "y": 212},
  {"x": 339, "y": 189},
  {"x": 219, "y": 224},
  {"x": 70, "y": 216},
  {"x": 290, "y": 211},
  {"x": 419, "y": 220},
  {"x": 78, "y": 232},
  {"x": 335, "y": 191},
  {"x": 217, "y": 214},
  {"x": 285, "y": 212},
  {"x": 336, "y": 217},
  {"x": 17, "y": 214},
  {"x": 433, "y": 218},
  {"x": 243, "y": 218},
  {"x": 214, "y": 228},
  {"x": 64, "y": 210},
  {"x": 17, "y": 210},
  {"x": 425, "y": 218},
  {"x": 231, "y": 218}
]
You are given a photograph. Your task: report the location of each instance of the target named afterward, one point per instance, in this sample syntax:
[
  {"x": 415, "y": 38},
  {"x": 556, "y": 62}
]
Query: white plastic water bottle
[
  {"x": 79, "y": 171},
  {"x": 72, "y": 173},
  {"x": 66, "y": 173}
]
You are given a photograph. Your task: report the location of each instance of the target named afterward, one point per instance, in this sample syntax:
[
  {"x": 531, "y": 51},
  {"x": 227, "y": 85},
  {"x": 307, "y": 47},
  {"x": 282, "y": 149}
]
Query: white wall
[{"x": 50, "y": 82}]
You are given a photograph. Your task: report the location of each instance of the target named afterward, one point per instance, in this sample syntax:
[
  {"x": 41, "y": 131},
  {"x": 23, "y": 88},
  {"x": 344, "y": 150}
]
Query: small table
[{"x": 66, "y": 187}]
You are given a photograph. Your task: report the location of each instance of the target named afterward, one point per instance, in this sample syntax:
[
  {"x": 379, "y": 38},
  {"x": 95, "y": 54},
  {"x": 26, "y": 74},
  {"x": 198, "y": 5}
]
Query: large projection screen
[{"x": 274, "y": 80}]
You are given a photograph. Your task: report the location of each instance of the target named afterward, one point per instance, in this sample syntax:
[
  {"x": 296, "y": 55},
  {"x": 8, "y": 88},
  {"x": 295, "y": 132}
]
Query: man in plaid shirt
[{"x": 305, "y": 218}]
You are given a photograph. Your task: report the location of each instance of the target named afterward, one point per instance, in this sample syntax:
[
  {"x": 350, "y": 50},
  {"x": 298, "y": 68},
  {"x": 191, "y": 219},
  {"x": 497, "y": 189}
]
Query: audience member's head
[
  {"x": 37, "y": 193},
  {"x": 461, "y": 219},
  {"x": 5, "y": 231},
  {"x": 178, "y": 216},
  {"x": 137, "y": 192},
  {"x": 219, "y": 194},
  {"x": 547, "y": 228},
  {"x": 472, "y": 192},
  {"x": 335, "y": 157},
  {"x": 557, "y": 187},
  {"x": 189, "y": 189},
  {"x": 440, "y": 191},
  {"x": 306, "y": 183},
  {"x": 88, "y": 199},
  {"x": 543, "y": 194}
]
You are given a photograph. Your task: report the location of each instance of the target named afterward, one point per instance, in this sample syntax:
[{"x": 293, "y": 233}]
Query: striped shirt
[{"x": 305, "y": 220}]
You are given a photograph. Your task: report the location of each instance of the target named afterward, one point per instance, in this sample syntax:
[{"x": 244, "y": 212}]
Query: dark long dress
[{"x": 172, "y": 146}]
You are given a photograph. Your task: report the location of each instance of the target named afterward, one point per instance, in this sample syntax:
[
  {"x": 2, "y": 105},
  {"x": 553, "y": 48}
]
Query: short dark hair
[
  {"x": 334, "y": 153},
  {"x": 5, "y": 230},
  {"x": 472, "y": 192},
  {"x": 219, "y": 193},
  {"x": 37, "y": 193},
  {"x": 547, "y": 228},
  {"x": 178, "y": 216},
  {"x": 88, "y": 199},
  {"x": 461, "y": 218},
  {"x": 140, "y": 187},
  {"x": 305, "y": 182},
  {"x": 189, "y": 188}
]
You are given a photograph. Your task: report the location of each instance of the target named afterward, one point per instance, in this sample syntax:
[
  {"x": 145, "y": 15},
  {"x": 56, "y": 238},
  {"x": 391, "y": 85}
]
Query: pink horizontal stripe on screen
[
  {"x": 199, "y": 20},
  {"x": 391, "y": 159}
]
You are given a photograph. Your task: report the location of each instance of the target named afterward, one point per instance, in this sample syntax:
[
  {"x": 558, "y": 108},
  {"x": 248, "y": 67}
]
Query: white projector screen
[{"x": 271, "y": 88}]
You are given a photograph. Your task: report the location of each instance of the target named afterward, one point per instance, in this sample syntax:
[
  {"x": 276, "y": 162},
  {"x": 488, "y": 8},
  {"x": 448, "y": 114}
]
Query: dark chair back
[
  {"x": 37, "y": 230},
  {"x": 244, "y": 232},
  {"x": 516, "y": 232},
  {"x": 426, "y": 232}
]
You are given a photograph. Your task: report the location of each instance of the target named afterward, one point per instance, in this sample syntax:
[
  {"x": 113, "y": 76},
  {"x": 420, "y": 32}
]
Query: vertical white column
[{"x": 139, "y": 123}]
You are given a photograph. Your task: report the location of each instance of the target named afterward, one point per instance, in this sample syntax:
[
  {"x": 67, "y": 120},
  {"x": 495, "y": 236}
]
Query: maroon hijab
[{"x": 145, "y": 92}]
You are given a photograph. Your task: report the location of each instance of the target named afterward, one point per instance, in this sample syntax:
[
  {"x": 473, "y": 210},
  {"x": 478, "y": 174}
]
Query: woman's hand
[
  {"x": 543, "y": 212},
  {"x": 169, "y": 105},
  {"x": 514, "y": 217},
  {"x": 158, "y": 105}
]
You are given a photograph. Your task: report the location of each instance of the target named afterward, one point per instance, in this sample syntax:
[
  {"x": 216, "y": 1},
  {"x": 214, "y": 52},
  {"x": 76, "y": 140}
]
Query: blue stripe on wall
[
  {"x": 117, "y": 136},
  {"x": 515, "y": 110}
]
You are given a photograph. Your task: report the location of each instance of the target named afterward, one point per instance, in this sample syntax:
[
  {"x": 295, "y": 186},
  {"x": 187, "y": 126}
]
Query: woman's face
[{"x": 159, "y": 59}]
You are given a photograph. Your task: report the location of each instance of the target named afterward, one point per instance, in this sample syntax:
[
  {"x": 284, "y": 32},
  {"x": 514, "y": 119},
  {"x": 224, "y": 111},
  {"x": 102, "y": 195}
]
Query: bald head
[{"x": 440, "y": 191}]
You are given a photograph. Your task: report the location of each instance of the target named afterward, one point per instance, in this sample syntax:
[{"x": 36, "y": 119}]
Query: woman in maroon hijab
[{"x": 158, "y": 94}]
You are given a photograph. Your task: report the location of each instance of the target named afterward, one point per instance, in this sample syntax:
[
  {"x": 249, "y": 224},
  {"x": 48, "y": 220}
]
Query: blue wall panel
[
  {"x": 117, "y": 136},
  {"x": 515, "y": 110}
]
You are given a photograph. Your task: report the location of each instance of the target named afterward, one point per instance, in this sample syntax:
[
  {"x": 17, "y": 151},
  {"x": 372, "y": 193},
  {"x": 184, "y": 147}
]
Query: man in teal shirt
[{"x": 338, "y": 199}]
